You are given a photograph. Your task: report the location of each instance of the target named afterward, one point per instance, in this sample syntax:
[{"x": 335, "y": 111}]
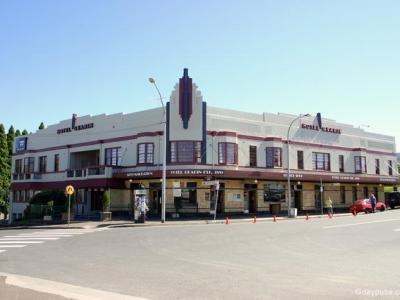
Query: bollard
[{"x": 307, "y": 217}]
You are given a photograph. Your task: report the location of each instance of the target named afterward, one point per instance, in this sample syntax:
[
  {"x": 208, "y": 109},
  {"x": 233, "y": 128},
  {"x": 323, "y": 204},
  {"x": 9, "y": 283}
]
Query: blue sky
[{"x": 340, "y": 58}]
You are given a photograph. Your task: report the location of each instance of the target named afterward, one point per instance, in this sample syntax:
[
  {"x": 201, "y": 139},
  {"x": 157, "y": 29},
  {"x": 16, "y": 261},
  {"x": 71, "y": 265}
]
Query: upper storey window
[
  {"x": 274, "y": 157},
  {"x": 360, "y": 164},
  {"x": 321, "y": 161},
  {"x": 113, "y": 156},
  {"x": 29, "y": 165},
  {"x": 186, "y": 152},
  {"x": 227, "y": 153},
  {"x": 145, "y": 153}
]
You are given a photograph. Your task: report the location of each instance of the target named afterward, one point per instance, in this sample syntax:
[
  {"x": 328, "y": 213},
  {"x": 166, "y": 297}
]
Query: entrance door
[
  {"x": 221, "y": 198},
  {"x": 298, "y": 201},
  {"x": 155, "y": 194},
  {"x": 250, "y": 198}
]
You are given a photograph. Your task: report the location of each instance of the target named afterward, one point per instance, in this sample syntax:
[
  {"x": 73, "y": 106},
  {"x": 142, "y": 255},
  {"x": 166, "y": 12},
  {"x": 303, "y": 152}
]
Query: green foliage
[
  {"x": 10, "y": 141},
  {"x": 51, "y": 197},
  {"x": 41, "y": 126},
  {"x": 17, "y": 133},
  {"x": 24, "y": 132},
  {"x": 106, "y": 201},
  {"x": 5, "y": 171}
]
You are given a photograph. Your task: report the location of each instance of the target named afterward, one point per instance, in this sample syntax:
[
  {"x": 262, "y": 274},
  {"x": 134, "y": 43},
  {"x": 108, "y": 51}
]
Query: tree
[
  {"x": 24, "y": 132},
  {"x": 5, "y": 173},
  {"x": 106, "y": 201},
  {"x": 10, "y": 141},
  {"x": 17, "y": 133},
  {"x": 41, "y": 126}
]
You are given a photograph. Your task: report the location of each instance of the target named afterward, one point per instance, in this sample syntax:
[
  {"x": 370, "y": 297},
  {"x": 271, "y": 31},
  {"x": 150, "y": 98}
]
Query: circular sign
[{"x": 69, "y": 189}]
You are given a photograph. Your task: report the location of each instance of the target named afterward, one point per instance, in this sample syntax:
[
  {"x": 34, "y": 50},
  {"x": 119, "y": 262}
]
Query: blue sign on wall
[{"x": 20, "y": 144}]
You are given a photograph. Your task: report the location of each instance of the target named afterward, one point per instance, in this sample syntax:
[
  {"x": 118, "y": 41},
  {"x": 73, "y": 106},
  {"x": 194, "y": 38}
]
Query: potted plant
[{"x": 106, "y": 214}]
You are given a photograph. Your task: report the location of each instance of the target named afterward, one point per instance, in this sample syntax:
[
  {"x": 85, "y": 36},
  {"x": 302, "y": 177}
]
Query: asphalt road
[{"x": 339, "y": 258}]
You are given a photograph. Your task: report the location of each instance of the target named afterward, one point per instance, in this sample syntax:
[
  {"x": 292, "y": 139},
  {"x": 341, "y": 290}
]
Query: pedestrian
[
  {"x": 372, "y": 200},
  {"x": 328, "y": 205}
]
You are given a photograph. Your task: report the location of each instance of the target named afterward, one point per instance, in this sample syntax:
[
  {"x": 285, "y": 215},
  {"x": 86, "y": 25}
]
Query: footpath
[{"x": 172, "y": 222}]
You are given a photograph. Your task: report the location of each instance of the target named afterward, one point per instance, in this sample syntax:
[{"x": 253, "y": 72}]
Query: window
[
  {"x": 274, "y": 192},
  {"x": 377, "y": 167},
  {"x": 190, "y": 193},
  {"x": 186, "y": 152},
  {"x": 390, "y": 168},
  {"x": 42, "y": 164},
  {"x": 253, "y": 156},
  {"x": 113, "y": 156},
  {"x": 321, "y": 161},
  {"x": 360, "y": 164},
  {"x": 342, "y": 194},
  {"x": 56, "y": 162},
  {"x": 29, "y": 165},
  {"x": 274, "y": 157},
  {"x": 341, "y": 163},
  {"x": 18, "y": 166},
  {"x": 145, "y": 153},
  {"x": 300, "y": 160},
  {"x": 354, "y": 193},
  {"x": 227, "y": 153}
]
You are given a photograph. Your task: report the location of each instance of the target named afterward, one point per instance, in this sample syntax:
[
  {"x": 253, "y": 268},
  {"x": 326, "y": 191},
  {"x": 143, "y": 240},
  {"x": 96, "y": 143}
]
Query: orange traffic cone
[
  {"x": 306, "y": 217},
  {"x": 255, "y": 219},
  {"x": 274, "y": 218},
  {"x": 227, "y": 220}
]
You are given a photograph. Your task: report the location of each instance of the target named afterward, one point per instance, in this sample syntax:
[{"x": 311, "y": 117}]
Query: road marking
[
  {"x": 357, "y": 224},
  {"x": 398, "y": 229},
  {"x": 38, "y": 235},
  {"x": 65, "y": 290},
  {"x": 3, "y": 251},
  {"x": 12, "y": 246},
  {"x": 53, "y": 233},
  {"x": 13, "y": 238},
  {"x": 20, "y": 242}
]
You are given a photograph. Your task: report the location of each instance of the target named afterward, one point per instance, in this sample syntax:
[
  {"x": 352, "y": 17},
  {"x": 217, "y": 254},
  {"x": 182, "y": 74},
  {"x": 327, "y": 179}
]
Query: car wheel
[
  {"x": 382, "y": 208},
  {"x": 392, "y": 206},
  {"x": 366, "y": 211}
]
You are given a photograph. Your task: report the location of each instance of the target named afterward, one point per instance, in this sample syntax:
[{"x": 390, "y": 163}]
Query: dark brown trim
[
  {"x": 88, "y": 183},
  {"x": 277, "y": 139},
  {"x": 111, "y": 140}
]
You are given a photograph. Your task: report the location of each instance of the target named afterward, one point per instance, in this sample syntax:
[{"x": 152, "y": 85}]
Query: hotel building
[{"x": 246, "y": 152}]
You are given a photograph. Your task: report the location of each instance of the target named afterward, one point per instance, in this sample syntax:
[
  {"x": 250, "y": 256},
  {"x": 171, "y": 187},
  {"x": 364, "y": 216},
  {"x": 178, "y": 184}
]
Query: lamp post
[
  {"x": 288, "y": 161},
  {"x": 164, "y": 170}
]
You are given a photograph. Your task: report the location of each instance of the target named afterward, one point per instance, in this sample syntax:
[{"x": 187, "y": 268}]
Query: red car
[{"x": 364, "y": 205}]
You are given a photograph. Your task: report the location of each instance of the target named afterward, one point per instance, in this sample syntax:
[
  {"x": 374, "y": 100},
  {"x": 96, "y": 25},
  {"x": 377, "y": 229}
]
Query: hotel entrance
[
  {"x": 155, "y": 195},
  {"x": 250, "y": 198}
]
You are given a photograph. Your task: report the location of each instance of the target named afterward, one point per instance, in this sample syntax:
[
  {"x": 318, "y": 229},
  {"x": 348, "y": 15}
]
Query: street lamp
[
  {"x": 288, "y": 161},
  {"x": 164, "y": 170}
]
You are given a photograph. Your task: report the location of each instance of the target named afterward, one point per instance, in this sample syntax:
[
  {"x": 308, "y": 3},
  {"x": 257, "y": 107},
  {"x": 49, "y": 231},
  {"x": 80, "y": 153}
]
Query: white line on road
[
  {"x": 12, "y": 246},
  {"x": 3, "y": 251},
  {"x": 13, "y": 238},
  {"x": 39, "y": 235},
  {"x": 63, "y": 289},
  {"x": 20, "y": 242},
  {"x": 357, "y": 224},
  {"x": 398, "y": 229}
]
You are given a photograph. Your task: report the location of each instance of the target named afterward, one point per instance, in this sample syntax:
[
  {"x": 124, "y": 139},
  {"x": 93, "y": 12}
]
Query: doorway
[
  {"x": 250, "y": 198},
  {"x": 298, "y": 199},
  {"x": 155, "y": 194}
]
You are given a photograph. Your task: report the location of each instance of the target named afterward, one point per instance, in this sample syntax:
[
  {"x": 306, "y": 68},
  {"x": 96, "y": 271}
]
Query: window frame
[
  {"x": 300, "y": 159},
  {"x": 326, "y": 161},
  {"x": 377, "y": 166},
  {"x": 109, "y": 161},
  {"x": 252, "y": 156},
  {"x": 361, "y": 166},
  {"x": 56, "y": 162},
  {"x": 42, "y": 167},
  {"x": 341, "y": 163},
  {"x": 276, "y": 158},
  {"x": 177, "y": 154},
  {"x": 146, "y": 154},
  {"x": 29, "y": 165},
  {"x": 223, "y": 148}
]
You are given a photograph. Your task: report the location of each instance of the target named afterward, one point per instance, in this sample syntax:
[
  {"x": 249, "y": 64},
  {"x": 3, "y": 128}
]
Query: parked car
[
  {"x": 364, "y": 205},
  {"x": 393, "y": 199}
]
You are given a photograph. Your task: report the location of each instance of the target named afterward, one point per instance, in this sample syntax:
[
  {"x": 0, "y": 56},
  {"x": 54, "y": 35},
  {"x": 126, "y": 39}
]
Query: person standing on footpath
[
  {"x": 328, "y": 206},
  {"x": 372, "y": 200}
]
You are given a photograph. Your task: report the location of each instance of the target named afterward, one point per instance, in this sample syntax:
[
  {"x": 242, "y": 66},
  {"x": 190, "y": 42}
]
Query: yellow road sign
[{"x": 69, "y": 189}]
